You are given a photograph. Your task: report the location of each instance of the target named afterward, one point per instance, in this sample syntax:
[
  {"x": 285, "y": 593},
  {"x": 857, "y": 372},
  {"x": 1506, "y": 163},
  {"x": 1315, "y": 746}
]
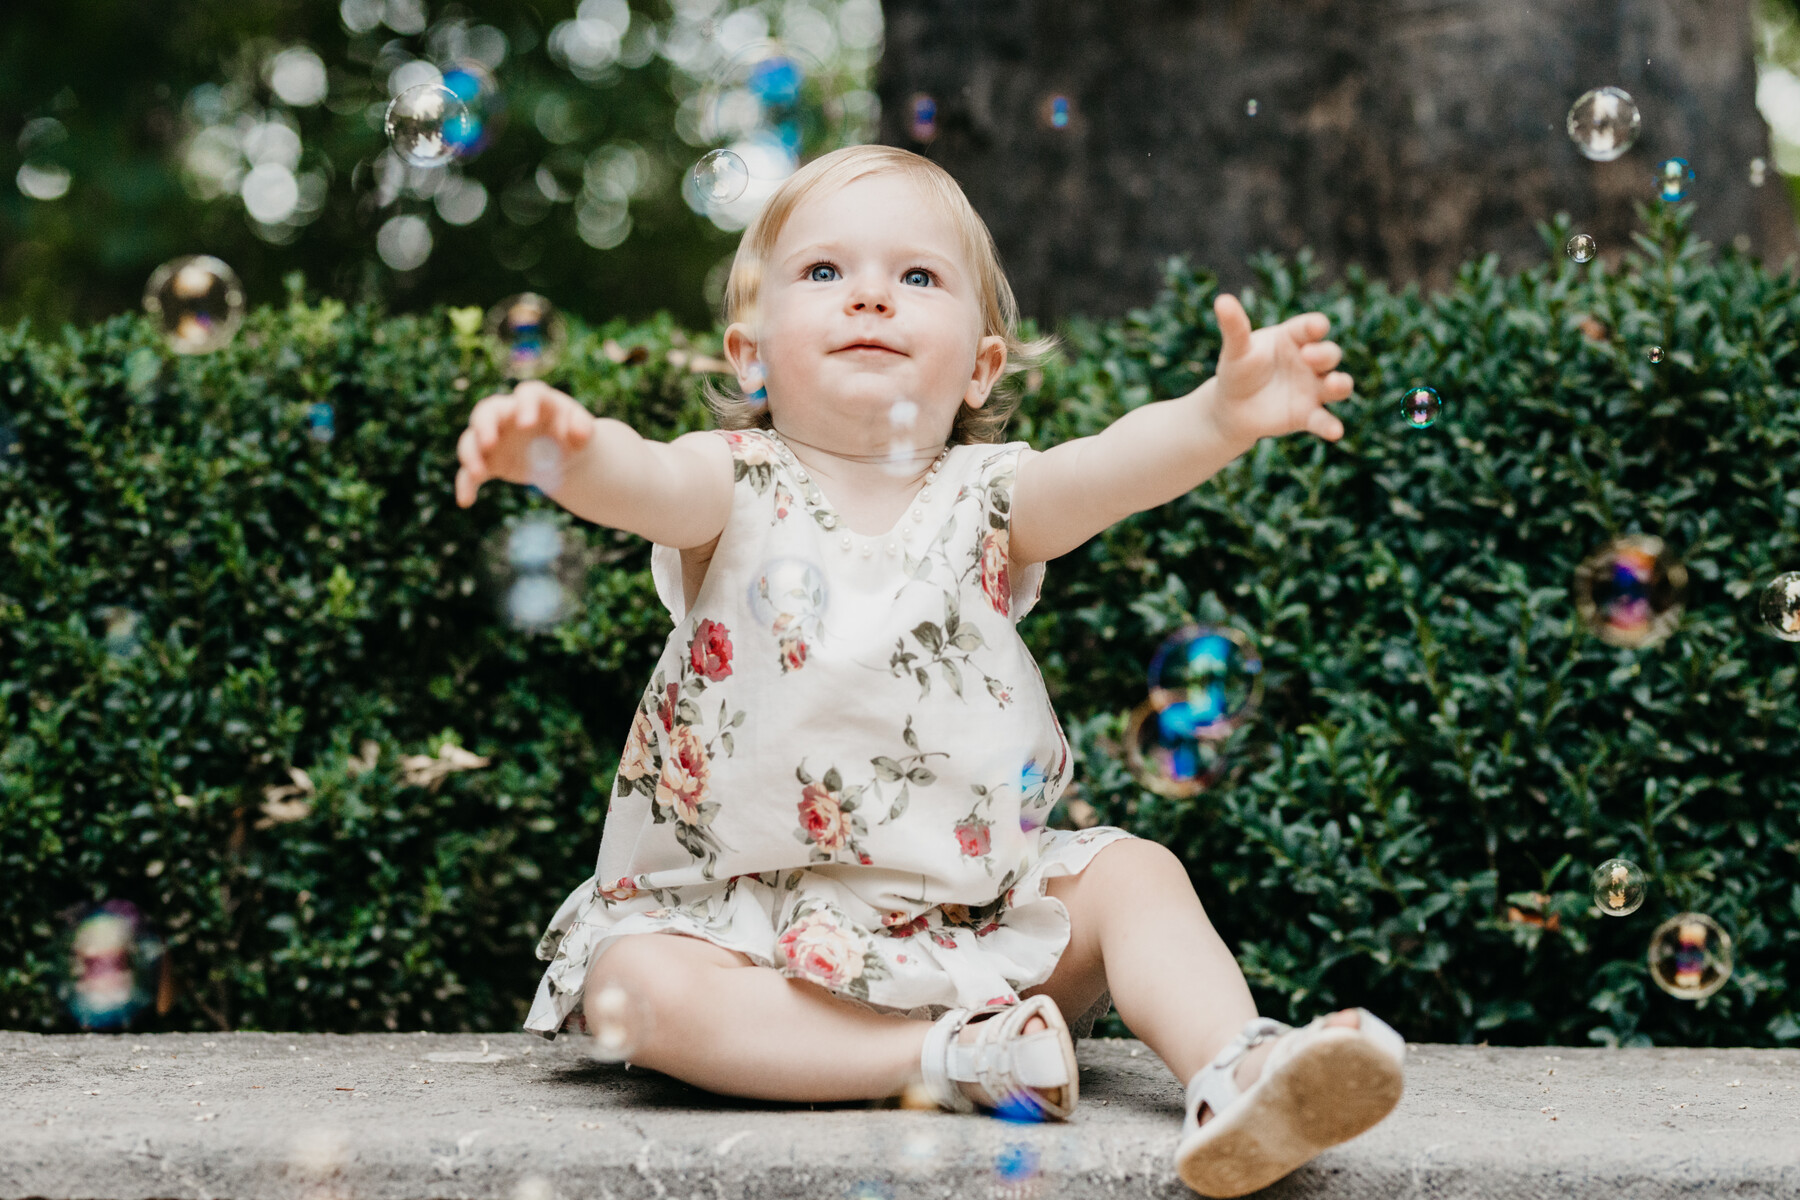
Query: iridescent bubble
[
  {"x": 114, "y": 966},
  {"x": 1630, "y": 592},
  {"x": 619, "y": 1022},
  {"x": 1056, "y": 111},
  {"x": 1780, "y": 606},
  {"x": 721, "y": 176},
  {"x": 1421, "y": 407},
  {"x": 197, "y": 300},
  {"x": 1690, "y": 956},
  {"x": 526, "y": 336},
  {"x": 1250, "y": 108},
  {"x": 1581, "y": 247},
  {"x": 1016, "y": 1174},
  {"x": 427, "y": 123},
  {"x": 1618, "y": 885},
  {"x": 1759, "y": 170},
  {"x": 1603, "y": 123},
  {"x": 1164, "y": 757},
  {"x": 321, "y": 422},
  {"x": 1205, "y": 680},
  {"x": 119, "y": 629},
  {"x": 1672, "y": 178},
  {"x": 923, "y": 123},
  {"x": 1654, "y": 354},
  {"x": 476, "y": 87}
]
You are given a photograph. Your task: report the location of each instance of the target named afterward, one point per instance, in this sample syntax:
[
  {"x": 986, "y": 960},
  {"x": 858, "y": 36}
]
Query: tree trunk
[{"x": 1407, "y": 136}]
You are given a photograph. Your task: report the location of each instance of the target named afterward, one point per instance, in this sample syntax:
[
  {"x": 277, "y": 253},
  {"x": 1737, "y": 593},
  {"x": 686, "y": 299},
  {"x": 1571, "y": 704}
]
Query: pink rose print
[
  {"x": 819, "y": 948},
  {"x": 943, "y": 939},
  {"x": 987, "y": 929},
  {"x": 710, "y": 651},
  {"x": 972, "y": 836},
  {"x": 618, "y": 889},
  {"x": 864, "y": 859},
  {"x": 666, "y": 710},
  {"x": 682, "y": 785},
  {"x": 891, "y": 919},
  {"x": 825, "y": 824},
  {"x": 636, "y": 762},
  {"x": 994, "y": 580},
  {"x": 1000, "y": 1000},
  {"x": 784, "y": 500},
  {"x": 793, "y": 654},
  {"x": 903, "y": 927}
]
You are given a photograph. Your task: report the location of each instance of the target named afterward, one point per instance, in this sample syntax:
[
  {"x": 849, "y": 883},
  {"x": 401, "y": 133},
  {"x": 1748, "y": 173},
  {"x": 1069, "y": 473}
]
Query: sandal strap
[
  {"x": 1215, "y": 1084},
  {"x": 1004, "y": 1062},
  {"x": 934, "y": 1061}
]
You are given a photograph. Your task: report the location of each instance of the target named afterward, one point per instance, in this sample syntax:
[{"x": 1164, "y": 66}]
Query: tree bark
[{"x": 1406, "y": 136}]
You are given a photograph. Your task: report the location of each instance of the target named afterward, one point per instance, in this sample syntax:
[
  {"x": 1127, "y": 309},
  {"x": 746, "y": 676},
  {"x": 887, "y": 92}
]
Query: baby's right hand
[{"x": 502, "y": 428}]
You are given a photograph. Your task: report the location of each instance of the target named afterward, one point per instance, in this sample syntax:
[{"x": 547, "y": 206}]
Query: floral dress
[{"x": 843, "y": 763}]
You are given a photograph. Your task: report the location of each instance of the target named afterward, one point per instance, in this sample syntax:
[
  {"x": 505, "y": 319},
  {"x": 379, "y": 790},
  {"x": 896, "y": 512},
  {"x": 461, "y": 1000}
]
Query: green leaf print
[
  {"x": 833, "y": 781},
  {"x": 952, "y": 676},
  {"x": 725, "y": 739},
  {"x": 929, "y": 636},
  {"x": 887, "y": 769},
  {"x": 911, "y": 738},
  {"x": 899, "y": 805},
  {"x": 967, "y": 640},
  {"x": 924, "y": 682},
  {"x": 800, "y": 773},
  {"x": 922, "y": 776}
]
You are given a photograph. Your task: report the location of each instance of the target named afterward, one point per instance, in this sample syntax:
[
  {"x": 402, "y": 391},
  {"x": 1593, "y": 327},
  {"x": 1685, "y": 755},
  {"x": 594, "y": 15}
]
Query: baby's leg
[{"x": 727, "y": 1025}]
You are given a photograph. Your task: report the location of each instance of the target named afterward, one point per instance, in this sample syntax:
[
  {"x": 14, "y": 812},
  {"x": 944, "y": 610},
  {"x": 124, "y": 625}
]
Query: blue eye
[
  {"x": 812, "y": 272},
  {"x": 924, "y": 277}
]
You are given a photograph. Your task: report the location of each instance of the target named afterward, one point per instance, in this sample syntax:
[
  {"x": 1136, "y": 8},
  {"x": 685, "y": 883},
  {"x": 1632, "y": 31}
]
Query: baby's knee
[{"x": 660, "y": 969}]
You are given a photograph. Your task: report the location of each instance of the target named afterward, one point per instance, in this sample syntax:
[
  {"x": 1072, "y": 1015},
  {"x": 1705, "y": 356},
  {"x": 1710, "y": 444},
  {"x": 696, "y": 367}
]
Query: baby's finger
[
  {"x": 581, "y": 427},
  {"x": 1336, "y": 386},
  {"x": 485, "y": 420},
  {"x": 1322, "y": 356},
  {"x": 466, "y": 487},
  {"x": 1324, "y": 425},
  {"x": 469, "y": 454},
  {"x": 527, "y": 409},
  {"x": 1234, "y": 326},
  {"x": 1308, "y": 327}
]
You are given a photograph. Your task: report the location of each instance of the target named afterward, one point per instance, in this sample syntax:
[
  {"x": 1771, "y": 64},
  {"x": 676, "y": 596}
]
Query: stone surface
[{"x": 374, "y": 1117}]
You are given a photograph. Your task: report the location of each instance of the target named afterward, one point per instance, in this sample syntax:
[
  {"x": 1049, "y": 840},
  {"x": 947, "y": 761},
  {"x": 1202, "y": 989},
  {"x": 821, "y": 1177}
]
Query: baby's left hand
[{"x": 1278, "y": 379}]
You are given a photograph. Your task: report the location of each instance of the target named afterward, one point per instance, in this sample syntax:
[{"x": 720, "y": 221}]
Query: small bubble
[
  {"x": 427, "y": 123},
  {"x": 1057, "y": 111},
  {"x": 1163, "y": 755},
  {"x": 111, "y": 966},
  {"x": 1654, "y": 354},
  {"x": 1205, "y": 680},
  {"x": 526, "y": 336},
  {"x": 923, "y": 125},
  {"x": 534, "y": 545},
  {"x": 1630, "y": 592},
  {"x": 621, "y": 1021},
  {"x": 1581, "y": 247},
  {"x": 721, "y": 176},
  {"x": 1618, "y": 886},
  {"x": 321, "y": 423},
  {"x": 1250, "y": 108},
  {"x": 1780, "y": 606},
  {"x": 198, "y": 301},
  {"x": 1690, "y": 956},
  {"x": 1673, "y": 177},
  {"x": 1603, "y": 123},
  {"x": 535, "y": 602},
  {"x": 1759, "y": 170},
  {"x": 1421, "y": 407}
]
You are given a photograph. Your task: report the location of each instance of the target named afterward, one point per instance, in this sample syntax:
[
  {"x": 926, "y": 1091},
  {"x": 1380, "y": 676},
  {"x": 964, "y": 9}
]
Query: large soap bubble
[
  {"x": 429, "y": 125},
  {"x": 198, "y": 301},
  {"x": 1604, "y": 122},
  {"x": 1630, "y": 592}
]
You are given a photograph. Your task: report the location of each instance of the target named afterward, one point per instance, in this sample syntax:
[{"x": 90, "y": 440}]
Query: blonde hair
[{"x": 999, "y": 310}]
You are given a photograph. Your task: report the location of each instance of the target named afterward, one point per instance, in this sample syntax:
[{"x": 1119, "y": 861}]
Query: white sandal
[
  {"x": 1321, "y": 1085},
  {"x": 1003, "y": 1062}
]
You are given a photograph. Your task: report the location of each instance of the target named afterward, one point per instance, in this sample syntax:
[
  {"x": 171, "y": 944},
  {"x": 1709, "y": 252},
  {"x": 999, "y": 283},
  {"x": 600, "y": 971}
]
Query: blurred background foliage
[
  {"x": 256, "y": 682},
  {"x": 252, "y": 131}
]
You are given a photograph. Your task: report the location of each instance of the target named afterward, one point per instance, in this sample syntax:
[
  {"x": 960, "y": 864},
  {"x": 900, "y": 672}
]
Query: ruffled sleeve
[
  {"x": 1023, "y": 588},
  {"x": 665, "y": 572}
]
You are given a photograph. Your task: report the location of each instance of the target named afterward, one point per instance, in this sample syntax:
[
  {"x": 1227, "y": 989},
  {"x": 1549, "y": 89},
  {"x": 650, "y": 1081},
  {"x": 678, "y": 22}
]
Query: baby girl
[{"x": 825, "y": 873}]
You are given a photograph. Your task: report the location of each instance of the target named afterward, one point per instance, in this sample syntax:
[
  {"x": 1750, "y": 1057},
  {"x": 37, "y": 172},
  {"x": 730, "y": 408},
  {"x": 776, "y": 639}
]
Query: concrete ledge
[{"x": 325, "y": 1117}]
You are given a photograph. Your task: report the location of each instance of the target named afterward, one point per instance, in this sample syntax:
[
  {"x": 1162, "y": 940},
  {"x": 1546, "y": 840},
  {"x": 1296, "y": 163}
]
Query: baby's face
[{"x": 868, "y": 300}]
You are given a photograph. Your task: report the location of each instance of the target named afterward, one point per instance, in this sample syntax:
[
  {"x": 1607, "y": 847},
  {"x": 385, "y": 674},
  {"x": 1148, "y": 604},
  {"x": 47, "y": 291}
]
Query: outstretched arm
[{"x": 1273, "y": 381}]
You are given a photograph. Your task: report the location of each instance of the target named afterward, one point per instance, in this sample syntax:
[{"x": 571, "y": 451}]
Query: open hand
[
  {"x": 510, "y": 433},
  {"x": 1278, "y": 379}
]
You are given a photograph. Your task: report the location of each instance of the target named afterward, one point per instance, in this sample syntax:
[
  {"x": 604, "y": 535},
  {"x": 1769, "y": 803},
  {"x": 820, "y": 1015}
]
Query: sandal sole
[{"x": 1325, "y": 1095}]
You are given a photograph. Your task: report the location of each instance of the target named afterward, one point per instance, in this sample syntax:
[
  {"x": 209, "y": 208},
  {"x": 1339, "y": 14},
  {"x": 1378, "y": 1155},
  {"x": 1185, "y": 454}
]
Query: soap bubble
[
  {"x": 119, "y": 629},
  {"x": 526, "y": 336},
  {"x": 321, "y": 423},
  {"x": 114, "y": 966},
  {"x": 721, "y": 176},
  {"x": 475, "y": 86},
  {"x": 923, "y": 123},
  {"x": 428, "y": 124},
  {"x": 1780, "y": 606},
  {"x": 1250, "y": 108},
  {"x": 1618, "y": 886},
  {"x": 1758, "y": 171},
  {"x": 534, "y": 546},
  {"x": 1630, "y": 591},
  {"x": 1581, "y": 247},
  {"x": 1165, "y": 757},
  {"x": 1056, "y": 111},
  {"x": 1690, "y": 956},
  {"x": 1421, "y": 407},
  {"x": 536, "y": 602},
  {"x": 1654, "y": 354},
  {"x": 1673, "y": 177},
  {"x": 1603, "y": 123},
  {"x": 198, "y": 301},
  {"x": 620, "y": 1022},
  {"x": 1205, "y": 680},
  {"x": 789, "y": 597}
]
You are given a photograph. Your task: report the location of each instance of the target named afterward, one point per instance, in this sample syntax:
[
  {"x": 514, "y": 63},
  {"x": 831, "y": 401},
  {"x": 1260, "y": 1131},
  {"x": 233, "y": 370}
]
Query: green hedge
[{"x": 1438, "y": 734}]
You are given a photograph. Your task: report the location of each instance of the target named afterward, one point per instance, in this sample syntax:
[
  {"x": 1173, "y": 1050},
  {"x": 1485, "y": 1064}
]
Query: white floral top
[{"x": 844, "y": 760}]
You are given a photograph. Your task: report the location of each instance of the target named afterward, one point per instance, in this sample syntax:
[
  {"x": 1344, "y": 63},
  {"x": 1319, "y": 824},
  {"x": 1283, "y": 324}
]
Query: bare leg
[
  {"x": 1135, "y": 918},
  {"x": 727, "y": 1025}
]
